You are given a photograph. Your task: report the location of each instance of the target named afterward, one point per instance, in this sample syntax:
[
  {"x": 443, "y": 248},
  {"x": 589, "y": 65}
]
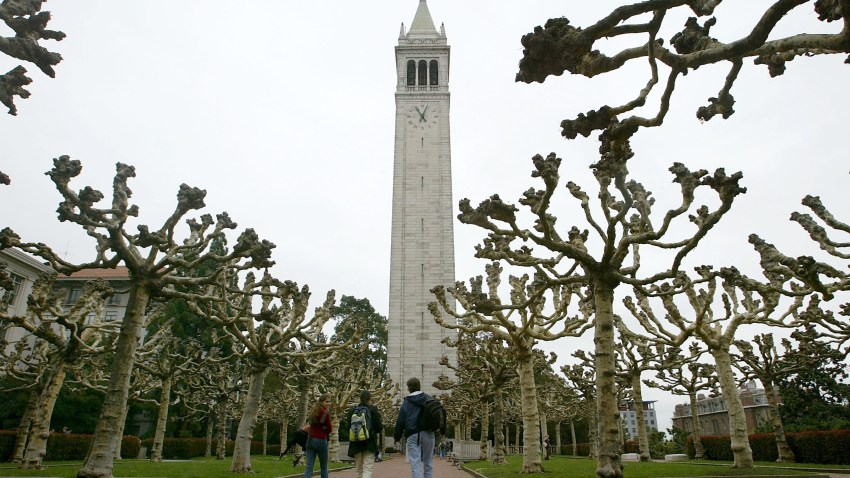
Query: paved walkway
[{"x": 397, "y": 467}]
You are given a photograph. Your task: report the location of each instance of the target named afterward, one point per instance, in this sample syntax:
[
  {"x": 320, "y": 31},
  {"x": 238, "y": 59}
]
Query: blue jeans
[
  {"x": 420, "y": 452},
  {"x": 316, "y": 447}
]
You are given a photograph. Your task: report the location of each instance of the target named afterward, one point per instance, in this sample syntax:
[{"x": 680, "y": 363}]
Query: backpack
[
  {"x": 432, "y": 416},
  {"x": 361, "y": 424}
]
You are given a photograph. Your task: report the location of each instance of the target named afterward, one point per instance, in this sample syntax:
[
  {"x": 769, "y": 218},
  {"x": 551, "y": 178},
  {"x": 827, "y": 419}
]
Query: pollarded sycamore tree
[
  {"x": 166, "y": 361},
  {"x": 73, "y": 336},
  {"x": 156, "y": 259},
  {"x": 29, "y": 23},
  {"x": 682, "y": 375},
  {"x": 608, "y": 259},
  {"x": 275, "y": 328},
  {"x": 716, "y": 330},
  {"x": 766, "y": 365},
  {"x": 558, "y": 47},
  {"x": 23, "y": 368},
  {"x": 526, "y": 319},
  {"x": 582, "y": 377},
  {"x": 486, "y": 364},
  {"x": 635, "y": 356}
]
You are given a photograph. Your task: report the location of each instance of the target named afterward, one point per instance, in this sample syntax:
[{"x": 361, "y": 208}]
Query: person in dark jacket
[
  {"x": 364, "y": 452},
  {"x": 420, "y": 443},
  {"x": 321, "y": 427}
]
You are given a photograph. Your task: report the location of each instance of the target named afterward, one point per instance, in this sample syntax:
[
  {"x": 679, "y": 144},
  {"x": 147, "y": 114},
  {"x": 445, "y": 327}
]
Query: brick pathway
[{"x": 397, "y": 467}]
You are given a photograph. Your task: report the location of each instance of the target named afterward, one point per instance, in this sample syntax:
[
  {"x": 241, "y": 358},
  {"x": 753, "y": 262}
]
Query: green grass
[
  {"x": 264, "y": 467},
  {"x": 585, "y": 468}
]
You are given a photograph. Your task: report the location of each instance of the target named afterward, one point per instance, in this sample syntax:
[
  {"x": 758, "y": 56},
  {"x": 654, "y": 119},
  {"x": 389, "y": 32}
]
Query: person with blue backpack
[
  {"x": 364, "y": 430},
  {"x": 419, "y": 419}
]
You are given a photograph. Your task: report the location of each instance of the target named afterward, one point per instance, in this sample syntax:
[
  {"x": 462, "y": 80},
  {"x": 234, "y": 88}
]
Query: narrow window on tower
[
  {"x": 421, "y": 181},
  {"x": 422, "y": 319},
  {"x": 411, "y": 73},
  {"x": 422, "y": 224},
  {"x": 433, "y": 72},
  {"x": 423, "y": 73},
  {"x": 422, "y": 270}
]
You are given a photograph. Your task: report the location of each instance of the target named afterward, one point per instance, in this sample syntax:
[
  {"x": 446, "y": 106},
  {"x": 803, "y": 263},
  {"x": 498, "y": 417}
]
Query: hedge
[
  {"x": 62, "y": 447},
  {"x": 186, "y": 448},
  {"x": 828, "y": 447}
]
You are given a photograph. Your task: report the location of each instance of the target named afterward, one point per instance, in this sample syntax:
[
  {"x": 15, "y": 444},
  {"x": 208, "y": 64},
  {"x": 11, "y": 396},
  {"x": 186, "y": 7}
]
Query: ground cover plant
[
  {"x": 581, "y": 468},
  {"x": 264, "y": 467}
]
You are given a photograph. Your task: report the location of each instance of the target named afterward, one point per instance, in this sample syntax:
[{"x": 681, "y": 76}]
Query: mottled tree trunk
[
  {"x": 573, "y": 437},
  {"x": 101, "y": 455},
  {"x": 40, "y": 425},
  {"x": 643, "y": 435},
  {"x": 24, "y": 426},
  {"x": 608, "y": 464},
  {"x": 516, "y": 434},
  {"x": 558, "y": 437},
  {"x": 120, "y": 435},
  {"x": 467, "y": 427},
  {"x": 161, "y": 419},
  {"x": 221, "y": 447},
  {"x": 284, "y": 424},
  {"x": 208, "y": 448},
  {"x": 784, "y": 451},
  {"x": 302, "y": 410},
  {"x": 741, "y": 450},
  {"x": 485, "y": 427},
  {"x": 242, "y": 445},
  {"x": 333, "y": 439},
  {"x": 531, "y": 462},
  {"x": 696, "y": 433},
  {"x": 544, "y": 430},
  {"x": 499, "y": 434},
  {"x": 265, "y": 437}
]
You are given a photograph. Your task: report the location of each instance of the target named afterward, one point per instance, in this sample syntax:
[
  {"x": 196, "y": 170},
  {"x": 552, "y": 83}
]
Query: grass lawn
[
  {"x": 584, "y": 468},
  {"x": 264, "y": 467}
]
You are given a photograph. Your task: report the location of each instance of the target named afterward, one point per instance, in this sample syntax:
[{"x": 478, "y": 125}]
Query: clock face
[{"x": 422, "y": 116}]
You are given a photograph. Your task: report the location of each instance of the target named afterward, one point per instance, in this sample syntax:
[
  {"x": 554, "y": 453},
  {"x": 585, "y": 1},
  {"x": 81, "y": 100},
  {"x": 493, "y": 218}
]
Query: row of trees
[
  {"x": 204, "y": 323},
  {"x": 569, "y": 279}
]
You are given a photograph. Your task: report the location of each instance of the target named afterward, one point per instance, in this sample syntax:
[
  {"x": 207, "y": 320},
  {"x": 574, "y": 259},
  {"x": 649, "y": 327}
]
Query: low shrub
[
  {"x": 829, "y": 447},
  {"x": 186, "y": 448},
  {"x": 62, "y": 447}
]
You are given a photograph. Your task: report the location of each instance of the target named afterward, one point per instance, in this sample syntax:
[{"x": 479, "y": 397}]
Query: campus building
[
  {"x": 714, "y": 416},
  {"x": 628, "y": 417}
]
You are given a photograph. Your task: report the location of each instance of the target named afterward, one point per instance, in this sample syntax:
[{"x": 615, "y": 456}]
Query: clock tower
[{"x": 422, "y": 254}]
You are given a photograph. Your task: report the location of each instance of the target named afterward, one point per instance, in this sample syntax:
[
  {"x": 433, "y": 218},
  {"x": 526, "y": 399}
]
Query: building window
[
  {"x": 73, "y": 296},
  {"x": 411, "y": 73},
  {"x": 433, "y": 73},
  {"x": 9, "y": 296},
  {"x": 422, "y": 74},
  {"x": 111, "y": 316},
  {"x": 115, "y": 299}
]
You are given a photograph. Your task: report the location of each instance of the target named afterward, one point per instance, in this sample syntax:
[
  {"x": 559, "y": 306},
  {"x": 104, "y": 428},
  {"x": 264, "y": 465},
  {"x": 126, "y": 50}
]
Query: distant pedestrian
[
  {"x": 365, "y": 452},
  {"x": 319, "y": 420}
]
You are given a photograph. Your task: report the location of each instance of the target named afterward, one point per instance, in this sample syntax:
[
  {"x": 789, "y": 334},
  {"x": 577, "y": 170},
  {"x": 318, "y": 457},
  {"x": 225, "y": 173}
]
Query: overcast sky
[{"x": 284, "y": 112}]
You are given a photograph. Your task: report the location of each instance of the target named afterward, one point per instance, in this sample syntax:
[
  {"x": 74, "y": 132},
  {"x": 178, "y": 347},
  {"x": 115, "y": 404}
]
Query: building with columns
[{"x": 422, "y": 245}]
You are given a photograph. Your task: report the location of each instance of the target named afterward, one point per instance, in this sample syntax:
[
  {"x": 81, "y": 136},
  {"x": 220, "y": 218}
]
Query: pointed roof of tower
[{"x": 422, "y": 22}]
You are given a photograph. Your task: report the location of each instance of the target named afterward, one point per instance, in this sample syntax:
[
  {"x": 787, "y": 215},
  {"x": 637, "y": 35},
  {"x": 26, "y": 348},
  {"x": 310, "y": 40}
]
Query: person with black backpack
[
  {"x": 420, "y": 417},
  {"x": 364, "y": 430}
]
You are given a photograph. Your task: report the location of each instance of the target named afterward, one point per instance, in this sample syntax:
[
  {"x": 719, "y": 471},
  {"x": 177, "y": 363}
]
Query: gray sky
[{"x": 284, "y": 112}]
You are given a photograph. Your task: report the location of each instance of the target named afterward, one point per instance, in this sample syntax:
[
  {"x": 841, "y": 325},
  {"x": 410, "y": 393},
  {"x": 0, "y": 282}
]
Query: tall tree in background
[
  {"x": 373, "y": 328},
  {"x": 155, "y": 259}
]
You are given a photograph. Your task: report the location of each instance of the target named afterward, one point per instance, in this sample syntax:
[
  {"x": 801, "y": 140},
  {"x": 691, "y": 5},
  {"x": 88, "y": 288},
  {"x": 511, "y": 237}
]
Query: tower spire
[{"x": 422, "y": 22}]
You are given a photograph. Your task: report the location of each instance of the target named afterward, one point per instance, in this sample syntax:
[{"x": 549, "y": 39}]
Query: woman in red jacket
[{"x": 319, "y": 420}]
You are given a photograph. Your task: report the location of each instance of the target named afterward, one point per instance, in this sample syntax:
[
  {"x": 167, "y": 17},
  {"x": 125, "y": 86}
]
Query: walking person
[
  {"x": 319, "y": 420},
  {"x": 420, "y": 443},
  {"x": 364, "y": 450}
]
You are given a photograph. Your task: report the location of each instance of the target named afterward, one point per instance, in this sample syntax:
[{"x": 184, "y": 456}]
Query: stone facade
[
  {"x": 628, "y": 417},
  {"x": 714, "y": 415},
  {"x": 24, "y": 270},
  {"x": 422, "y": 253}
]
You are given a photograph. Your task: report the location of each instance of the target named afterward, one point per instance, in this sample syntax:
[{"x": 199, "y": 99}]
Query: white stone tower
[{"x": 422, "y": 253}]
